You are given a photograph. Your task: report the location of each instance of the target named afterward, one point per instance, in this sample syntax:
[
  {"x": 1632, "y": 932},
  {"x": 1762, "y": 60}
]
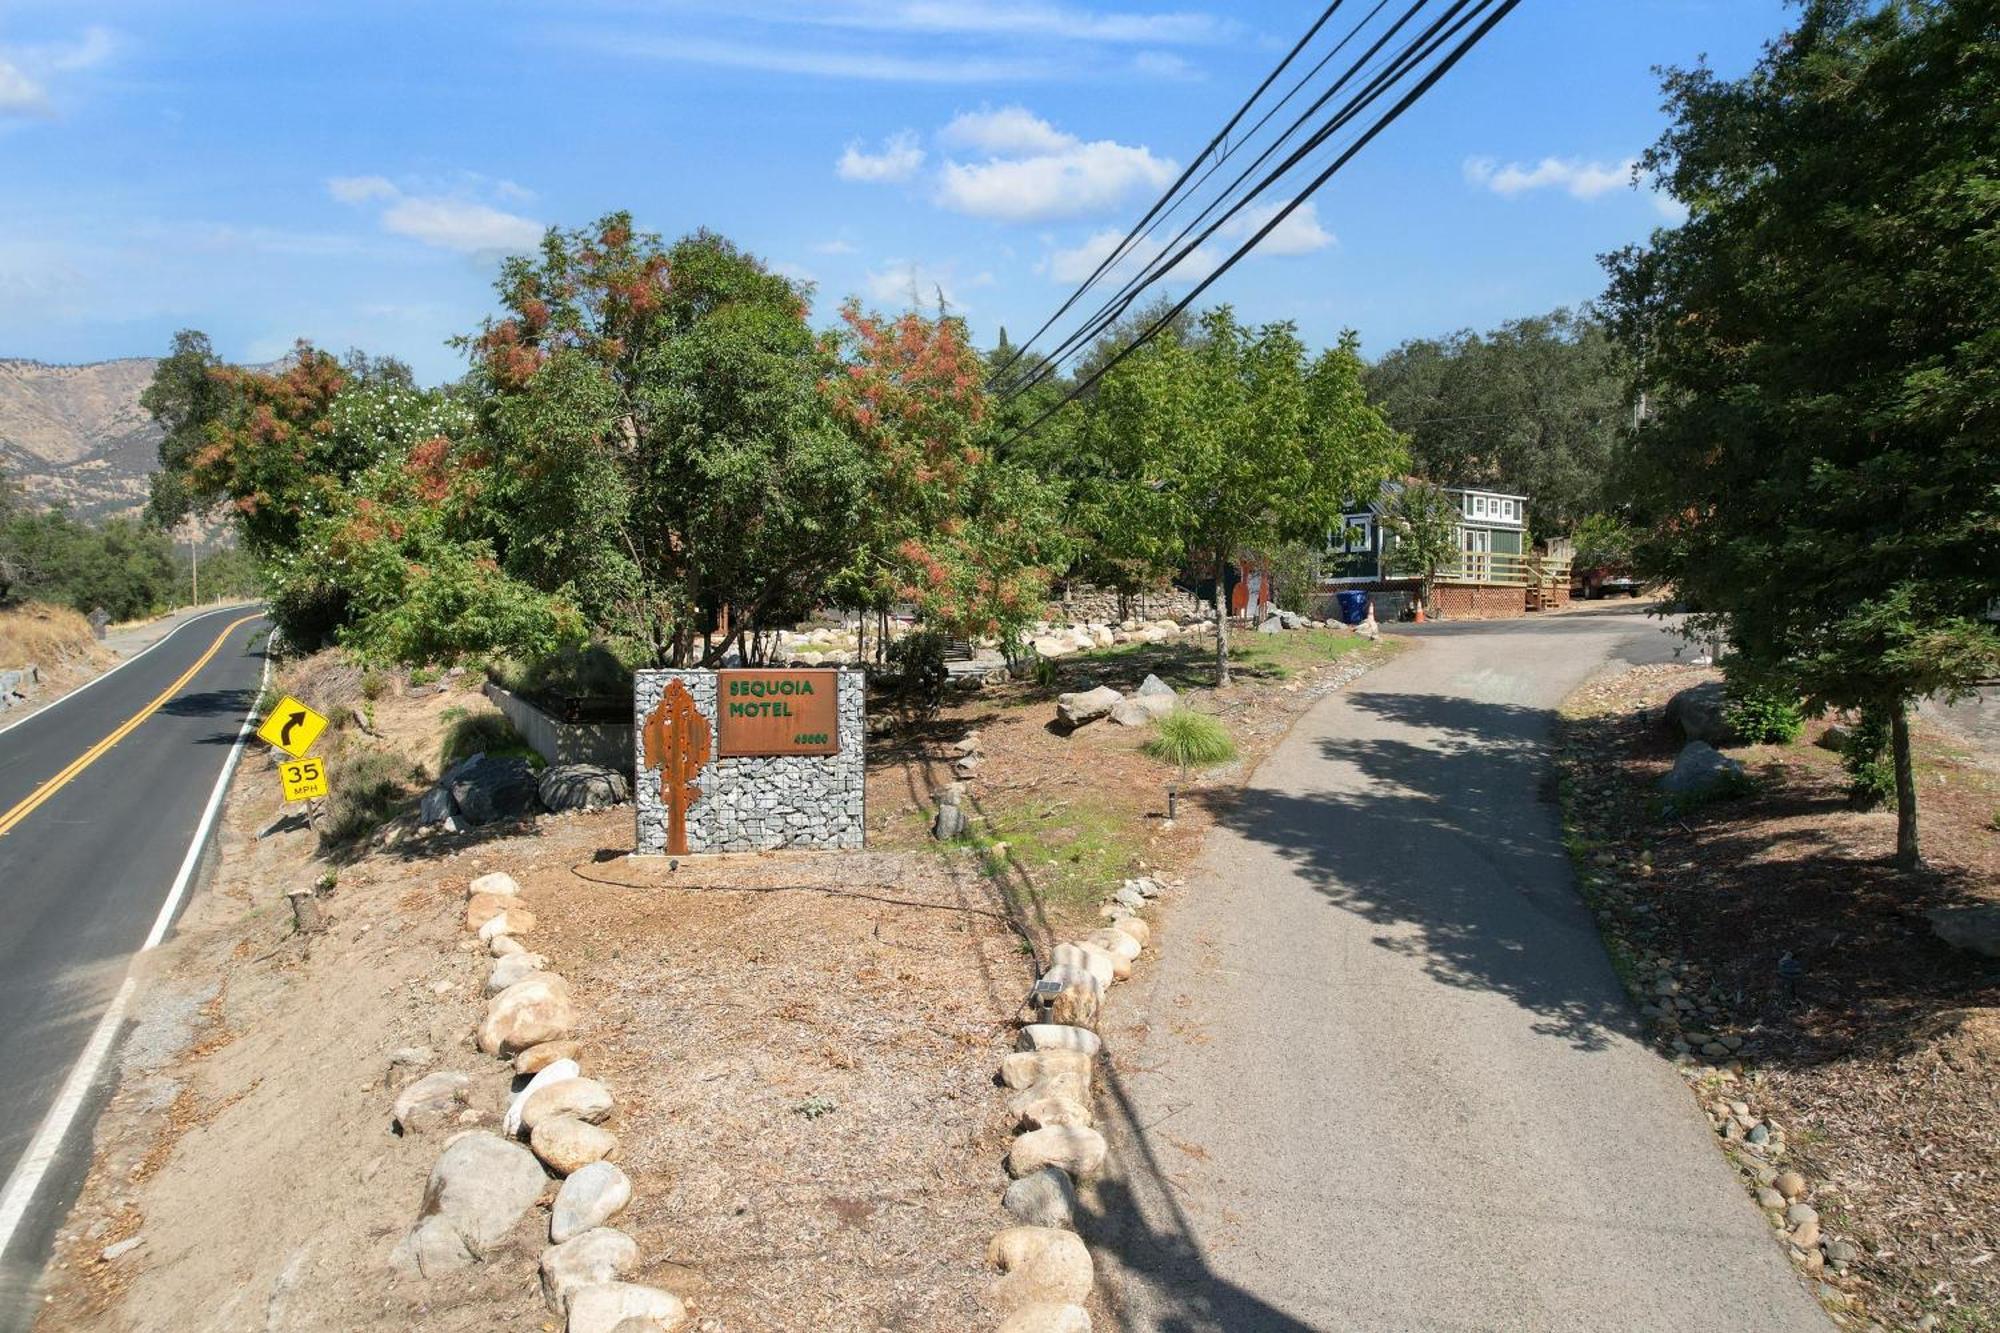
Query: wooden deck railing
[{"x": 1502, "y": 569}]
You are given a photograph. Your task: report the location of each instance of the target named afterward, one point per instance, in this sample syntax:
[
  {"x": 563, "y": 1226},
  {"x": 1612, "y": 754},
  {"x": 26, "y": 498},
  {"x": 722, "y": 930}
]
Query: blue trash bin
[{"x": 1353, "y": 607}]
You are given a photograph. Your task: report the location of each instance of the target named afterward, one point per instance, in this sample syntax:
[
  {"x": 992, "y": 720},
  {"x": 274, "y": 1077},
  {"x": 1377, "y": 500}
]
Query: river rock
[
  {"x": 1043, "y": 1198},
  {"x": 1057, "y": 1108},
  {"x": 1074, "y": 710},
  {"x": 557, "y": 1071},
  {"x": 599, "y": 1255},
  {"x": 1041, "y": 1318},
  {"x": 1129, "y": 897},
  {"x": 493, "y": 788},
  {"x": 1115, "y": 942},
  {"x": 483, "y": 907},
  {"x": 1790, "y": 1184},
  {"x": 1080, "y": 1000},
  {"x": 613, "y": 1307},
  {"x": 1700, "y": 713},
  {"x": 949, "y": 824},
  {"x": 582, "y": 787},
  {"x": 1056, "y": 1037},
  {"x": 531, "y": 1011},
  {"x": 1152, "y": 687},
  {"x": 593, "y": 1195},
  {"x": 1699, "y": 770},
  {"x": 1023, "y": 1069},
  {"x": 431, "y": 1101},
  {"x": 537, "y": 1058},
  {"x": 1975, "y": 928},
  {"x": 516, "y": 920},
  {"x": 480, "y": 1186},
  {"x": 1097, "y": 963},
  {"x": 567, "y": 1145},
  {"x": 1077, "y": 1151},
  {"x": 500, "y": 946},
  {"x": 512, "y": 968},
  {"x": 1070, "y": 1085},
  {"x": 1133, "y": 928},
  {"x": 583, "y": 1099},
  {"x": 499, "y": 883},
  {"x": 1043, "y": 1265}
]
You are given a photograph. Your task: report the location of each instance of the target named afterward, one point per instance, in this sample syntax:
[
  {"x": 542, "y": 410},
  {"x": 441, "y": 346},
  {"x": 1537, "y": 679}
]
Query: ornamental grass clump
[{"x": 1187, "y": 739}]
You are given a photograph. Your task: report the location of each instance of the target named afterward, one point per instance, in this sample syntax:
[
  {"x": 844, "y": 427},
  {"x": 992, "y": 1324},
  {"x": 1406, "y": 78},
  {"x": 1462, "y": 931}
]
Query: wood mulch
[{"x": 1881, "y": 1056}]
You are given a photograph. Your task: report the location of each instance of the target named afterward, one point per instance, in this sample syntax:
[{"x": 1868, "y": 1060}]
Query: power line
[
  {"x": 1176, "y": 187},
  {"x": 1409, "y": 99},
  {"x": 1391, "y": 70}
]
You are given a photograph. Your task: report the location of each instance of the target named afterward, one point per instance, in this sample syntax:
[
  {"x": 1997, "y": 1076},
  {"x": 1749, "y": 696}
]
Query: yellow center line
[{"x": 97, "y": 751}]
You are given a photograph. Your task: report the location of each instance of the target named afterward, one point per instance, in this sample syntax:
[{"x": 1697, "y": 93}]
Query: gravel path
[{"x": 1384, "y": 1077}]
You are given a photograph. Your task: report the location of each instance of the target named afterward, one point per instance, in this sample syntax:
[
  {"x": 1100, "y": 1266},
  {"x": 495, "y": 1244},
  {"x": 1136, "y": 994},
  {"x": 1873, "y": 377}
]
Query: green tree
[
  {"x": 120, "y": 564},
  {"x": 186, "y": 398},
  {"x": 1822, "y": 475},
  {"x": 1536, "y": 406},
  {"x": 1232, "y": 441},
  {"x": 1424, "y": 520}
]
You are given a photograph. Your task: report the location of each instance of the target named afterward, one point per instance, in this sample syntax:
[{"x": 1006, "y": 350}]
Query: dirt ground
[
  {"x": 1882, "y": 1057},
  {"x": 803, "y": 1045}
]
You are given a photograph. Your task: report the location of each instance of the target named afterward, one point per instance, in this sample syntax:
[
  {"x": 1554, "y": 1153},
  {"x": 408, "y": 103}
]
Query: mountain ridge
[{"x": 75, "y": 435}]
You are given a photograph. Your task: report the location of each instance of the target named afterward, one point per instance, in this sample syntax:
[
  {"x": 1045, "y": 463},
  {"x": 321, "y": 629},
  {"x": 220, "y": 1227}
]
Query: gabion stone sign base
[{"x": 755, "y": 804}]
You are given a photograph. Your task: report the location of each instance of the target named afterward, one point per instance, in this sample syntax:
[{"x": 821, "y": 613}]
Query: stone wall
[
  {"x": 757, "y": 804},
  {"x": 1086, "y": 604}
]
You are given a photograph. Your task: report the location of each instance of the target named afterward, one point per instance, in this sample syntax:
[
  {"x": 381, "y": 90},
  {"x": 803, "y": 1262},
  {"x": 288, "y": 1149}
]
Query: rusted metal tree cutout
[{"x": 677, "y": 743}]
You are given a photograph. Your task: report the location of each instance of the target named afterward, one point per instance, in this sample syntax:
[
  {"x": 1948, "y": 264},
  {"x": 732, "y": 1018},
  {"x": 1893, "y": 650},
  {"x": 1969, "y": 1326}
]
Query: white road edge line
[
  {"x": 48, "y": 708},
  {"x": 27, "y": 1177}
]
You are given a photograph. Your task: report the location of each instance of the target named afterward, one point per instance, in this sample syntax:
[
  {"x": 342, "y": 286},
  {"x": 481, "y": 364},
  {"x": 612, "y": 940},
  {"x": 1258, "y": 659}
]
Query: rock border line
[
  {"x": 484, "y": 1183},
  {"x": 1046, "y": 1270}
]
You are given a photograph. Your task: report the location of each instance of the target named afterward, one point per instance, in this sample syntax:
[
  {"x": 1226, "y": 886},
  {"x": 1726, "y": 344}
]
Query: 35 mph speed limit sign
[{"x": 304, "y": 780}]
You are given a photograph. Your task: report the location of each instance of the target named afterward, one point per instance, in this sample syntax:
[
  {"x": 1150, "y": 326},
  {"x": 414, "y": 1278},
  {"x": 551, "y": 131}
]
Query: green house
[{"x": 1492, "y": 542}]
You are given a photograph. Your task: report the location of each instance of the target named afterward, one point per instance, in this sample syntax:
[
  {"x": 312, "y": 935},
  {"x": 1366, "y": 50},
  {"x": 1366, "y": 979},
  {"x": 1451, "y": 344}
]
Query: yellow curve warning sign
[{"x": 292, "y": 727}]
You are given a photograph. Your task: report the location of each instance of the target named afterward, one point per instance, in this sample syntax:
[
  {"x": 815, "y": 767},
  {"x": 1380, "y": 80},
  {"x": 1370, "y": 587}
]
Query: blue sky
[{"x": 348, "y": 172}]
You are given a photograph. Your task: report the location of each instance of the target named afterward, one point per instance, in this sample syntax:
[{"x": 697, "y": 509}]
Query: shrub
[
  {"x": 918, "y": 675},
  {"x": 1763, "y": 714},
  {"x": 369, "y": 787},
  {"x": 374, "y": 684},
  {"x": 1188, "y": 739},
  {"x": 481, "y": 733},
  {"x": 1871, "y": 774}
]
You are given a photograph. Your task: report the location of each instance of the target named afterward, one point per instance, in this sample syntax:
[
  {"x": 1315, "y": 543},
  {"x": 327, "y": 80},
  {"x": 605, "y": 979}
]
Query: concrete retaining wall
[{"x": 606, "y": 743}]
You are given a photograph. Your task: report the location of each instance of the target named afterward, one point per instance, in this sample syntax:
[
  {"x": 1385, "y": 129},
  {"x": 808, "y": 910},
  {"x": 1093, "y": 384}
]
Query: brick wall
[{"x": 1478, "y": 601}]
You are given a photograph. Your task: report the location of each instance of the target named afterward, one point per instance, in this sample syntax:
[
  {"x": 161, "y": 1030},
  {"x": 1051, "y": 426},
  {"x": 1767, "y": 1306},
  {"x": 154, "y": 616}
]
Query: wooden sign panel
[{"x": 779, "y": 712}]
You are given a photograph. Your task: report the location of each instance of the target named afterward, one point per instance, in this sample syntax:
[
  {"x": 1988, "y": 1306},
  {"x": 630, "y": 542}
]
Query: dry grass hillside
[
  {"x": 76, "y": 435},
  {"x": 43, "y": 636}
]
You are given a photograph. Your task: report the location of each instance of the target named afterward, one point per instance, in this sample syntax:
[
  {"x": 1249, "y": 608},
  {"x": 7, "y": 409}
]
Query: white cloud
[
  {"x": 900, "y": 159},
  {"x": 1579, "y": 179},
  {"x": 1041, "y": 173},
  {"x": 19, "y": 94},
  {"x": 455, "y": 224},
  {"x": 1670, "y": 208},
  {"x": 834, "y": 247},
  {"x": 361, "y": 189},
  {"x": 25, "y": 70},
  {"x": 1299, "y": 234},
  {"x": 448, "y": 222},
  {"x": 1011, "y": 130},
  {"x": 1075, "y": 265}
]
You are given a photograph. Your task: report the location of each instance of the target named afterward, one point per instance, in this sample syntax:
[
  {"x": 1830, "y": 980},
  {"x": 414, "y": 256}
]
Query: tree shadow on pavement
[
  {"x": 1452, "y": 845},
  {"x": 1117, "y": 1219}
]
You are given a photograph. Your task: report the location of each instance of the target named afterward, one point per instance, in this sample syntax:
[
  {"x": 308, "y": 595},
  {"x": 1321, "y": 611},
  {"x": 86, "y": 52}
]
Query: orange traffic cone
[{"x": 1419, "y": 617}]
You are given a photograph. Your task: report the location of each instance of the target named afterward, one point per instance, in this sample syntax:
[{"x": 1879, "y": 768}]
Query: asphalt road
[
  {"x": 87, "y": 872},
  {"x": 1383, "y": 1076}
]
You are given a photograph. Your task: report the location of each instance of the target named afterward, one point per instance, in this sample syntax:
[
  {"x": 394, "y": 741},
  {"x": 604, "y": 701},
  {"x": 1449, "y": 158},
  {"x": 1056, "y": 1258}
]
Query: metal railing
[{"x": 1500, "y": 569}]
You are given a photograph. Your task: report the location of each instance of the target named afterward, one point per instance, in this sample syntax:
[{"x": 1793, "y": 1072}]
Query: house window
[
  {"x": 1507, "y": 509},
  {"x": 1479, "y": 506}
]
